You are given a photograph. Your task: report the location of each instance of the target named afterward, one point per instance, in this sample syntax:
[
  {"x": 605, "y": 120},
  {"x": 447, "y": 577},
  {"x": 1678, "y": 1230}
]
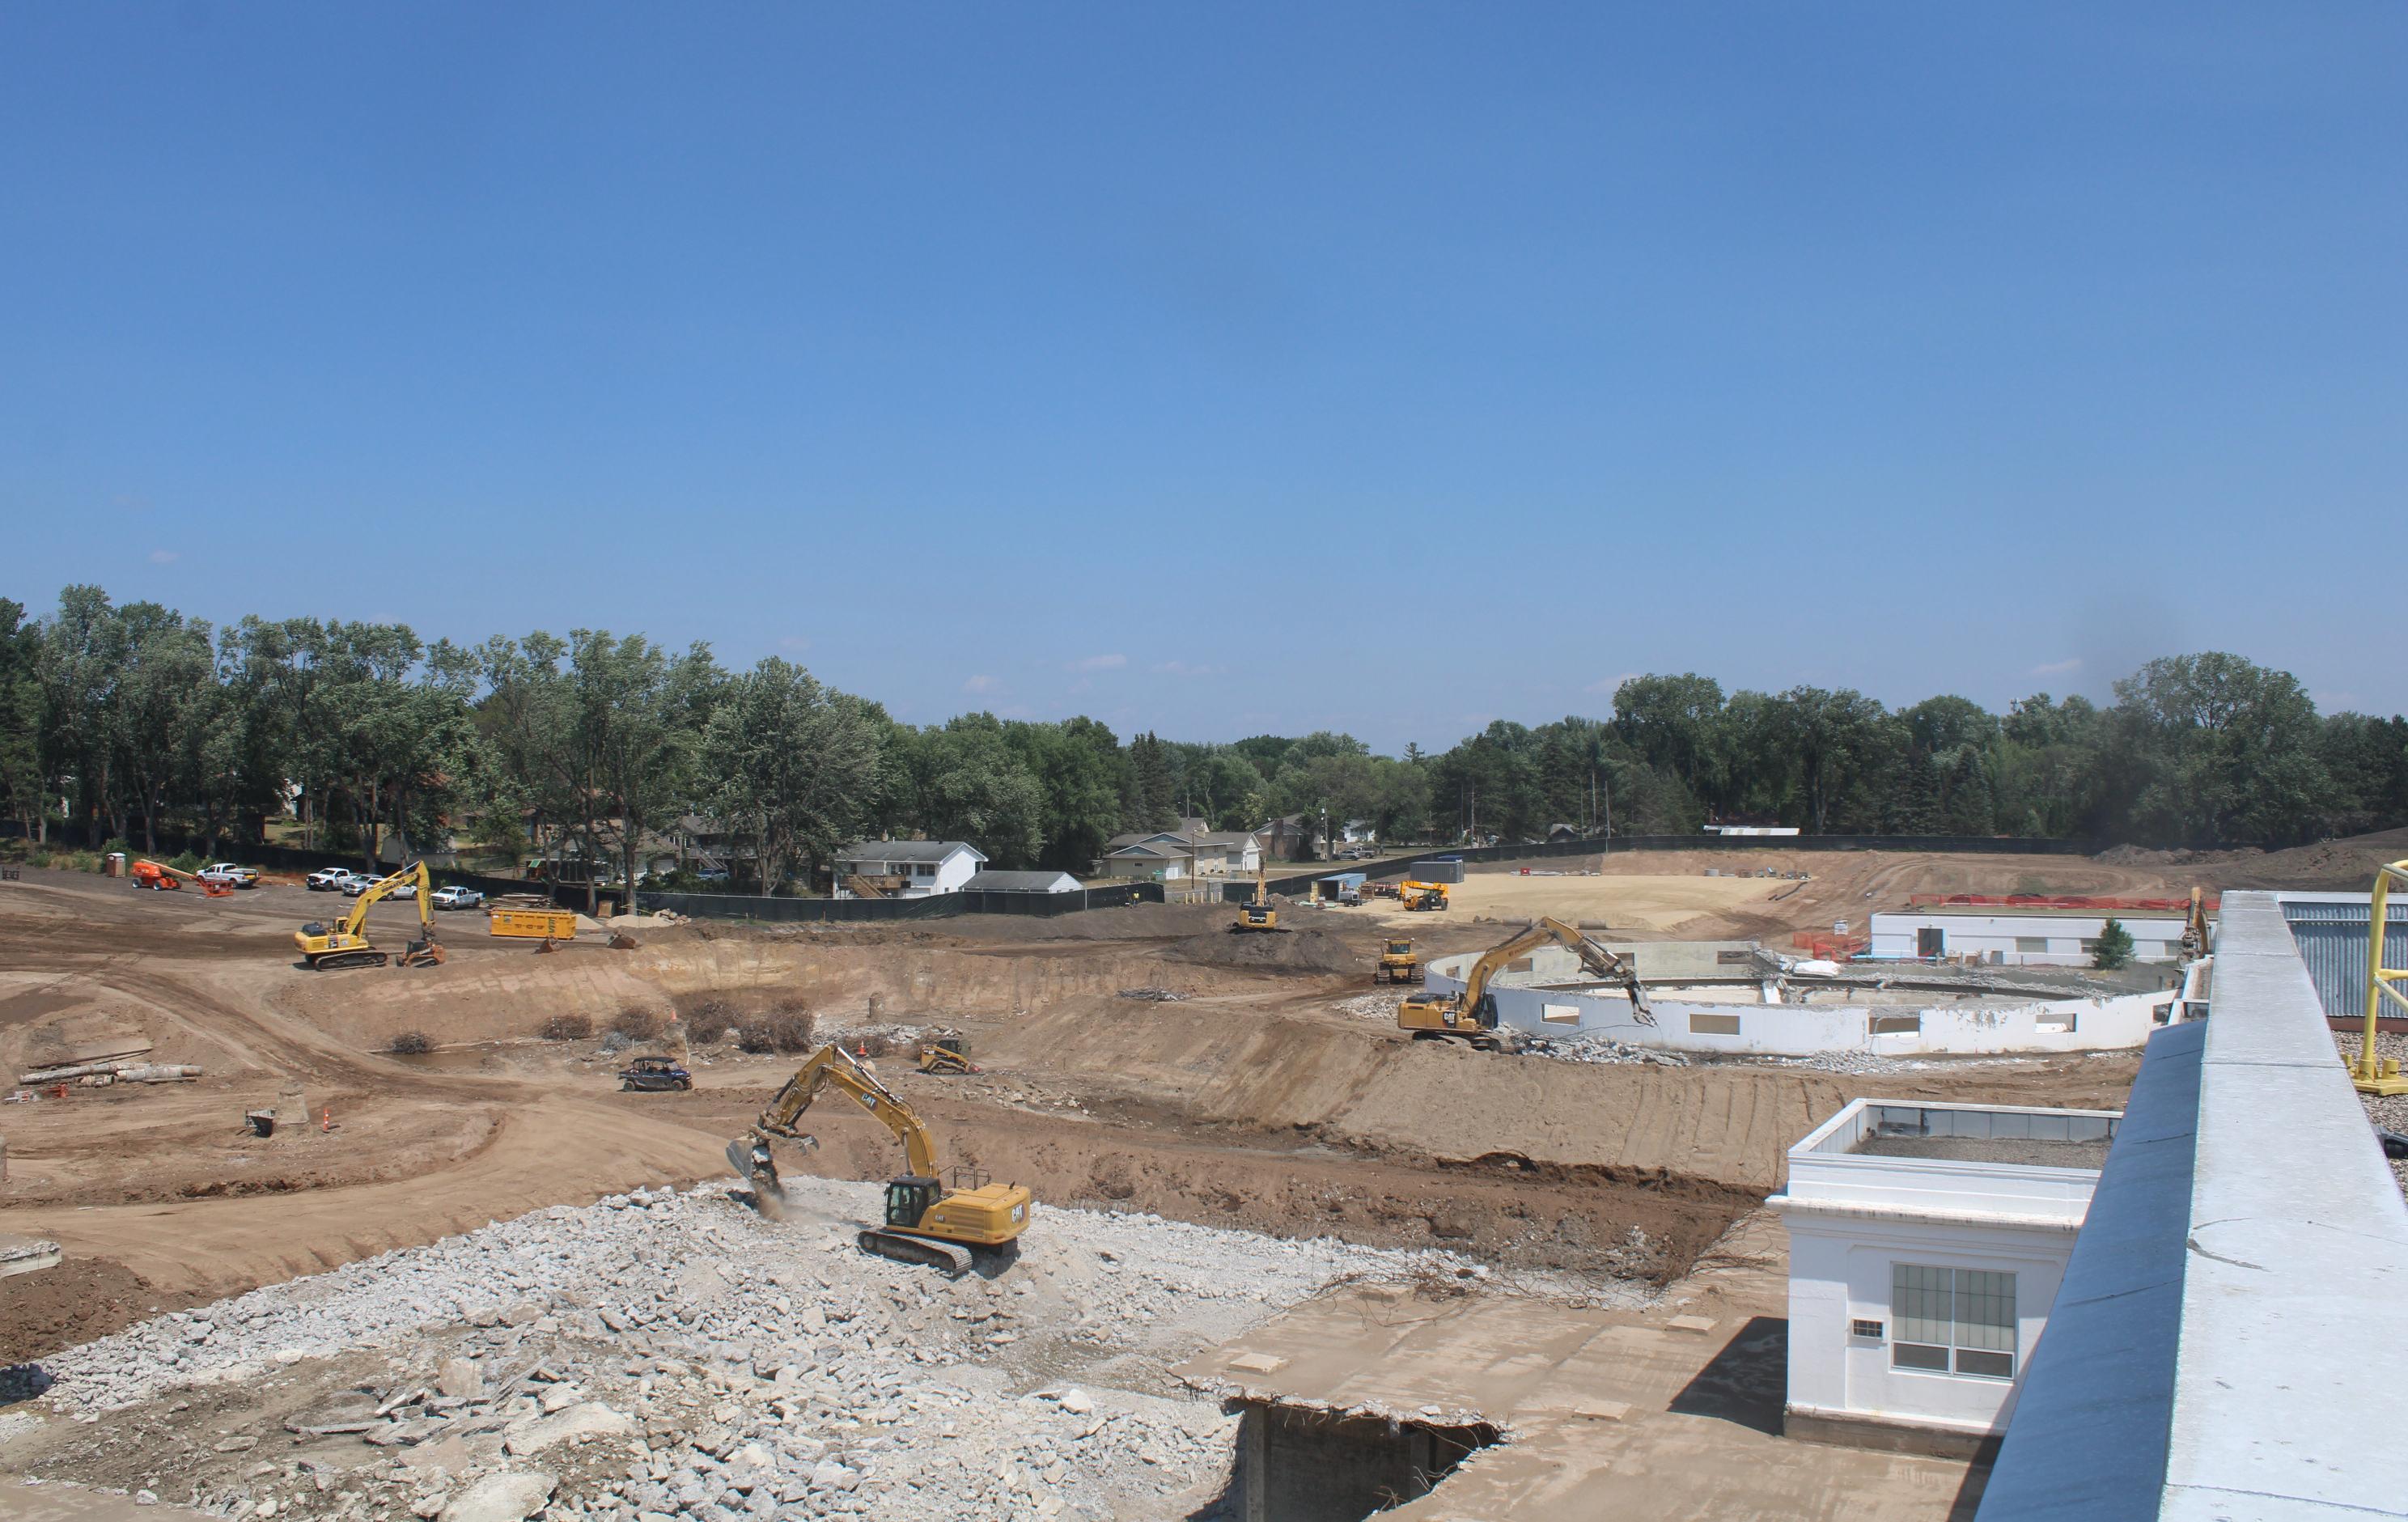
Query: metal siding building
[{"x": 2331, "y": 929}]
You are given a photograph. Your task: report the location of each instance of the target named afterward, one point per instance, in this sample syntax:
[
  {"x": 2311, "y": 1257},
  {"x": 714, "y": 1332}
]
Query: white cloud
[
  {"x": 2057, "y": 669},
  {"x": 1611, "y": 685},
  {"x": 1099, "y": 662},
  {"x": 978, "y": 685},
  {"x": 165, "y": 557},
  {"x": 1187, "y": 668}
]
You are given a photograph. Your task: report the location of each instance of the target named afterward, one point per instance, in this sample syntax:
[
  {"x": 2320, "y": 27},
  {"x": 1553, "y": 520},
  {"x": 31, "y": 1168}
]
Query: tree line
[{"x": 132, "y": 722}]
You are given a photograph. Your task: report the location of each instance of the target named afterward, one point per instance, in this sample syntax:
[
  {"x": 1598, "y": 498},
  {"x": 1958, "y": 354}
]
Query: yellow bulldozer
[
  {"x": 1471, "y": 1016},
  {"x": 928, "y": 1220},
  {"x": 344, "y": 943},
  {"x": 1398, "y": 962}
]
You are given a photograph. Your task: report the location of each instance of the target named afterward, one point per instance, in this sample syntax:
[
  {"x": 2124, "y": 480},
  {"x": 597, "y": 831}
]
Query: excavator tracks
[{"x": 907, "y": 1247}]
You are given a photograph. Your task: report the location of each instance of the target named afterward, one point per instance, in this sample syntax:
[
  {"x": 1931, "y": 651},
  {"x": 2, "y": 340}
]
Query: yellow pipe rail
[{"x": 2369, "y": 1073}]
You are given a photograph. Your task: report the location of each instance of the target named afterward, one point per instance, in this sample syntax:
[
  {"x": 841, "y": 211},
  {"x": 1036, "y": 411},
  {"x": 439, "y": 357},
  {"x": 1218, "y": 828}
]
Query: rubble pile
[{"x": 662, "y": 1355}]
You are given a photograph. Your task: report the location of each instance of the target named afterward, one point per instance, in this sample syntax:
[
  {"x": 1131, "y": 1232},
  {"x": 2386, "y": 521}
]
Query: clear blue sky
[{"x": 1073, "y": 359}]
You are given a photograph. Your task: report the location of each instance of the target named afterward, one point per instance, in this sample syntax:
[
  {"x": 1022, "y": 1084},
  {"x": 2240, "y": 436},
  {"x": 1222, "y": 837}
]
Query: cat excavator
[
  {"x": 346, "y": 943},
  {"x": 1262, "y": 914},
  {"x": 1471, "y": 1016},
  {"x": 927, "y": 1221}
]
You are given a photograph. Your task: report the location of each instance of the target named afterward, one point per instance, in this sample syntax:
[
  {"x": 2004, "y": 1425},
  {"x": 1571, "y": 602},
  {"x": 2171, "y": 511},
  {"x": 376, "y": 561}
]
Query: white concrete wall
[
  {"x": 1807, "y": 1029},
  {"x": 2156, "y": 938},
  {"x": 1839, "y": 1271}
]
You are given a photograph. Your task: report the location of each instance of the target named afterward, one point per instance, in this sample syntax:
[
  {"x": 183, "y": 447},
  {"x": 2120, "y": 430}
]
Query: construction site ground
[{"x": 1236, "y": 1092}]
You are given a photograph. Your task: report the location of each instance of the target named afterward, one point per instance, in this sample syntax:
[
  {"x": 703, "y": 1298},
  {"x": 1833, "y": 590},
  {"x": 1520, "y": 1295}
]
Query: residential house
[
  {"x": 1173, "y": 856},
  {"x": 1289, "y": 838},
  {"x": 905, "y": 869},
  {"x": 988, "y": 879}
]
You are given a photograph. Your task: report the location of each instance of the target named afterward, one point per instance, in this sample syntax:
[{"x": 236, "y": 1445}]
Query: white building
[
  {"x": 988, "y": 879},
  {"x": 1926, "y": 1245},
  {"x": 2016, "y": 936},
  {"x": 905, "y": 869}
]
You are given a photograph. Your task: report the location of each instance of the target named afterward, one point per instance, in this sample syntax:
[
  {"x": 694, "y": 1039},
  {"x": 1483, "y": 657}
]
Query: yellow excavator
[
  {"x": 1258, "y": 915},
  {"x": 346, "y": 943},
  {"x": 1471, "y": 1016},
  {"x": 2196, "y": 936},
  {"x": 926, "y": 1221}
]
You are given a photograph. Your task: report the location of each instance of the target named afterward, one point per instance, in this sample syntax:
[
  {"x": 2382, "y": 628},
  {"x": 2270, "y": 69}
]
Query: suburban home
[
  {"x": 1289, "y": 838},
  {"x": 991, "y": 881},
  {"x": 905, "y": 869},
  {"x": 1171, "y": 856}
]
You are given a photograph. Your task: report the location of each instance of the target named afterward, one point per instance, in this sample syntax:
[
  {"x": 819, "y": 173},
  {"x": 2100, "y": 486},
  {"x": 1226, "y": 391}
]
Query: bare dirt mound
[
  {"x": 2350, "y": 863},
  {"x": 1296, "y": 951},
  {"x": 75, "y": 1302}
]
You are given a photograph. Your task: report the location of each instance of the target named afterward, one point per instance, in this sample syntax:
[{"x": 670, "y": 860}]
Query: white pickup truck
[{"x": 229, "y": 873}]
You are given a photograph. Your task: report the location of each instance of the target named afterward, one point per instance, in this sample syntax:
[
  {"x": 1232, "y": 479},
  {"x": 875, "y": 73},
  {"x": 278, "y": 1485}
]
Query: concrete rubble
[{"x": 662, "y": 1355}]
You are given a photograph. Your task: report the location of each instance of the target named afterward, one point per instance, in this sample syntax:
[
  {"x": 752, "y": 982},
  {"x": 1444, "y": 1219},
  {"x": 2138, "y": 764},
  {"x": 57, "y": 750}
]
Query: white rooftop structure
[{"x": 1926, "y": 1245}]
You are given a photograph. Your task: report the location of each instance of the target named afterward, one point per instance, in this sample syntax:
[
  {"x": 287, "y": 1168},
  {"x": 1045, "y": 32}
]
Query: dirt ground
[{"x": 1247, "y": 1101}]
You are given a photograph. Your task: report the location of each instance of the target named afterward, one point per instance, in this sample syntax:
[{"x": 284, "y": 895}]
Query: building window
[
  {"x": 2032, "y": 943},
  {"x": 1953, "y": 1320},
  {"x": 1858, "y": 1327},
  {"x": 923, "y": 869},
  {"x": 1713, "y": 1024}
]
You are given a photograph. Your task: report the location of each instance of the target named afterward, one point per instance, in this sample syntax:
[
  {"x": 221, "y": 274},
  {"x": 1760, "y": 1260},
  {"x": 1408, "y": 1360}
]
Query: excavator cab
[{"x": 909, "y": 1198}]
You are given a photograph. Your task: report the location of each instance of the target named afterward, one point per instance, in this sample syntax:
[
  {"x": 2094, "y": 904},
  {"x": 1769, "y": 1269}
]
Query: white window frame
[{"x": 1981, "y": 1347}]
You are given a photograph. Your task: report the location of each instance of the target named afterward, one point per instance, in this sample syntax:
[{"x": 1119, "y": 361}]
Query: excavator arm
[
  {"x": 346, "y": 943},
  {"x": 834, "y": 1065}
]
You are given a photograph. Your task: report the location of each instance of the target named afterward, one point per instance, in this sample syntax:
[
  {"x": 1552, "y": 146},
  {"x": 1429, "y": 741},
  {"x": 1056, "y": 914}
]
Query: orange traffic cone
[{"x": 326, "y": 1119}]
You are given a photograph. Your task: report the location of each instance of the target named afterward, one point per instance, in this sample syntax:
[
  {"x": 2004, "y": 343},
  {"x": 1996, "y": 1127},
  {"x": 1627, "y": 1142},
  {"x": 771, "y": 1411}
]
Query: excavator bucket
[{"x": 752, "y": 1165}]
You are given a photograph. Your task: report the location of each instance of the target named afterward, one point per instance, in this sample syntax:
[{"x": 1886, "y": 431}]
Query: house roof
[
  {"x": 992, "y": 881},
  {"x": 907, "y": 851},
  {"x": 1151, "y": 848}
]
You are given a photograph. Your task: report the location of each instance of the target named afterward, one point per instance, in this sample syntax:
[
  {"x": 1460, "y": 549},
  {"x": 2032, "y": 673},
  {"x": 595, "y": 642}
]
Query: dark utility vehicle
[{"x": 655, "y": 1073}]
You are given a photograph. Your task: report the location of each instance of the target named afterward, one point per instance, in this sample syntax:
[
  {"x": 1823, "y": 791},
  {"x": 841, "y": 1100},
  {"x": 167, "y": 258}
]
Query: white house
[
  {"x": 1926, "y": 1245},
  {"x": 905, "y": 869},
  {"x": 2022, "y": 936},
  {"x": 987, "y": 880}
]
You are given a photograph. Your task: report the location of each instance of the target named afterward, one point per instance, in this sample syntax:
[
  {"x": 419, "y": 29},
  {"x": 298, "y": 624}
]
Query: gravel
[
  {"x": 2390, "y": 1112},
  {"x": 662, "y": 1355}
]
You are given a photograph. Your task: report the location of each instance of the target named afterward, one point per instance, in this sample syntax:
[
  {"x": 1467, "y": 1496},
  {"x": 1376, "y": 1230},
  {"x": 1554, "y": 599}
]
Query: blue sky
[{"x": 1216, "y": 369}]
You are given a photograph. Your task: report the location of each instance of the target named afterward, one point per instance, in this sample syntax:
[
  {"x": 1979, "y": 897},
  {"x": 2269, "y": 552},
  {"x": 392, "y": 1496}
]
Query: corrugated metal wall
[{"x": 2332, "y": 942}]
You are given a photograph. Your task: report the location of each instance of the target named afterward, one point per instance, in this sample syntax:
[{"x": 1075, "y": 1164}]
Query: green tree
[
  {"x": 791, "y": 766},
  {"x": 1082, "y": 775},
  {"x": 2113, "y": 948},
  {"x": 25, "y": 794},
  {"x": 2216, "y": 750},
  {"x": 639, "y": 714},
  {"x": 972, "y": 787}
]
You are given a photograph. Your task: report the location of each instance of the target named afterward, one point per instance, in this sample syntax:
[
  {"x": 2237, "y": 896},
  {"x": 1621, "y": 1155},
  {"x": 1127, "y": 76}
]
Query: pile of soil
[
  {"x": 1295, "y": 951},
  {"x": 2348, "y": 863},
  {"x": 82, "y": 1299}
]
